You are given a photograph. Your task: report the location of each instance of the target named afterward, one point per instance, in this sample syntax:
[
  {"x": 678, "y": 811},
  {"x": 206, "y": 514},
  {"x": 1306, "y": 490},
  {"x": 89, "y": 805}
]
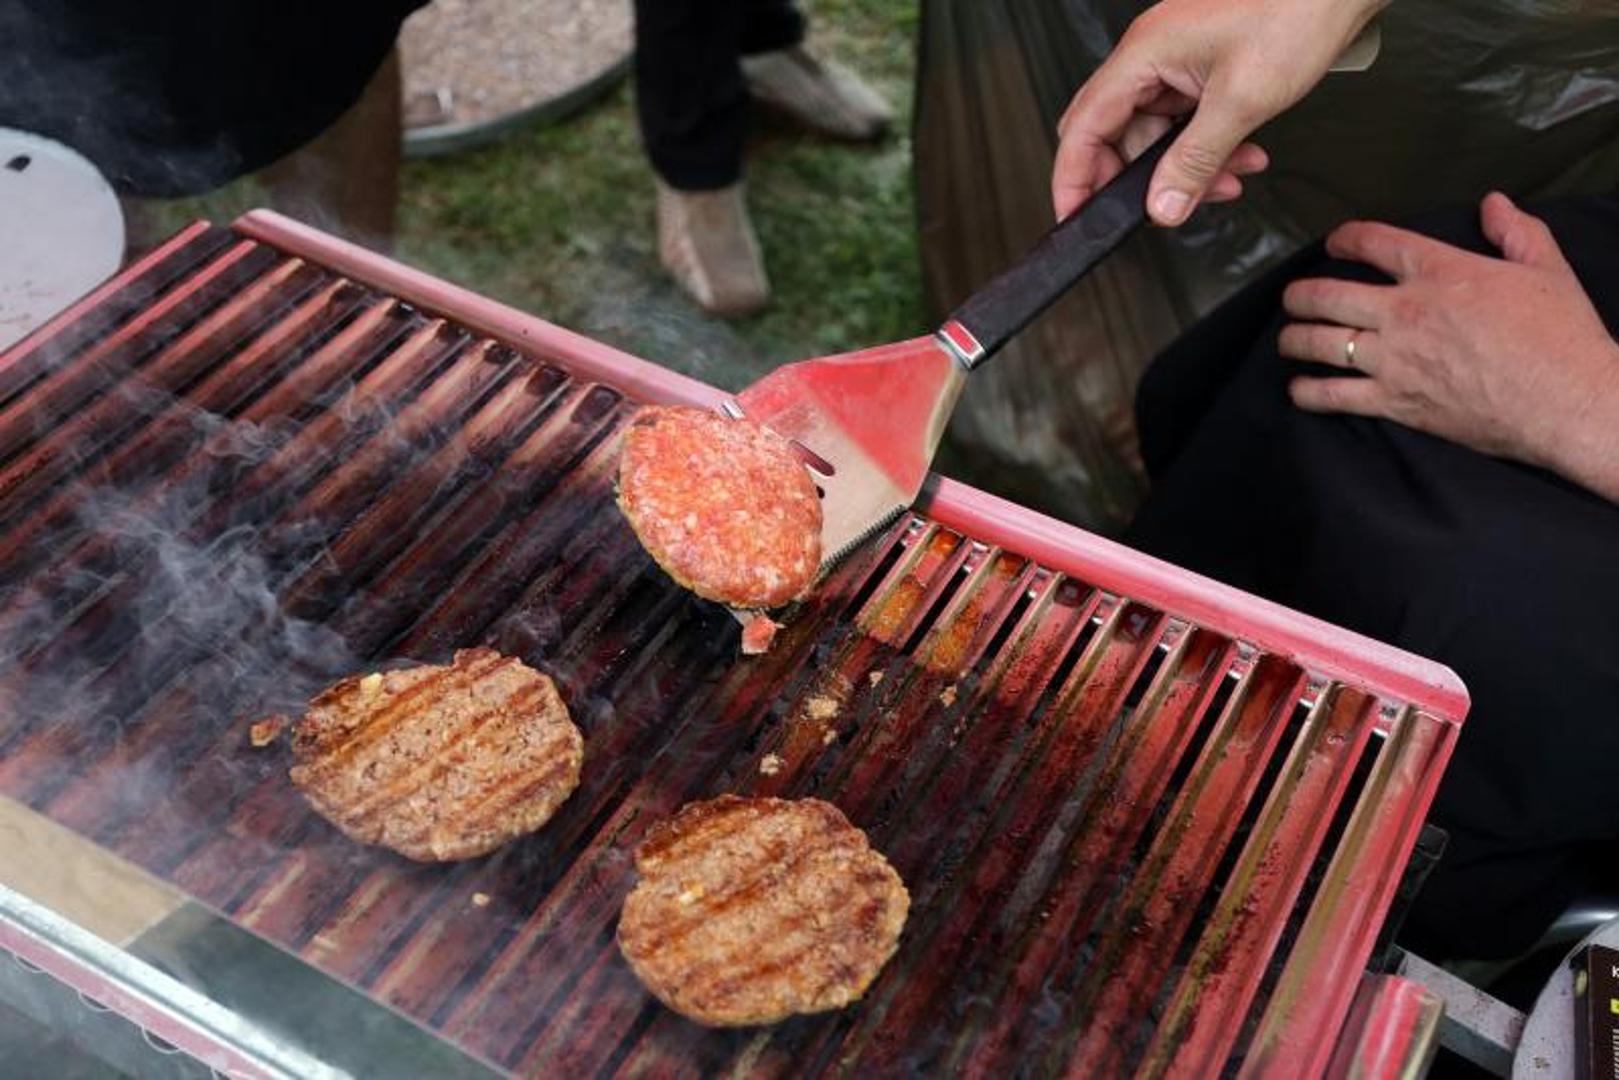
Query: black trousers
[
  {"x": 175, "y": 97},
  {"x": 1507, "y": 573},
  {"x": 690, "y": 95}
]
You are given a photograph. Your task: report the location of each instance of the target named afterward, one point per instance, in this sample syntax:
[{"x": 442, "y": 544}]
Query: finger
[
  {"x": 1248, "y": 159},
  {"x": 1226, "y": 188},
  {"x": 1198, "y": 155},
  {"x": 1357, "y": 397},
  {"x": 1104, "y": 166},
  {"x": 1170, "y": 102},
  {"x": 1079, "y": 171},
  {"x": 1399, "y": 253},
  {"x": 1093, "y": 124},
  {"x": 1084, "y": 97},
  {"x": 1139, "y": 134},
  {"x": 1320, "y": 343},
  {"x": 1522, "y": 237},
  {"x": 1142, "y": 131},
  {"x": 1331, "y": 300}
]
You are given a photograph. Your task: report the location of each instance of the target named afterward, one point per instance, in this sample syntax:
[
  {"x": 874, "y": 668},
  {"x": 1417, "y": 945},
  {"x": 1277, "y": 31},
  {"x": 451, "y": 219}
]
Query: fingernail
[{"x": 1171, "y": 206}]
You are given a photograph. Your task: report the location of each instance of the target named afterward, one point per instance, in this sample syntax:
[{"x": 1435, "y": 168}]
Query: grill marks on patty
[
  {"x": 725, "y": 506},
  {"x": 439, "y": 762},
  {"x": 752, "y": 910}
]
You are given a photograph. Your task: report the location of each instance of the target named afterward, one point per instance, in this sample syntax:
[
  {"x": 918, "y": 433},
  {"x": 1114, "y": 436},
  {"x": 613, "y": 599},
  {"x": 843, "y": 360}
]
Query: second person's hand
[
  {"x": 1233, "y": 64},
  {"x": 1506, "y": 356}
]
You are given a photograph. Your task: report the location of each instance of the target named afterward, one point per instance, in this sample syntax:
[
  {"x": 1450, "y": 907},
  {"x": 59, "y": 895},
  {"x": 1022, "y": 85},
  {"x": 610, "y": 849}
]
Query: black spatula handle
[{"x": 993, "y": 314}]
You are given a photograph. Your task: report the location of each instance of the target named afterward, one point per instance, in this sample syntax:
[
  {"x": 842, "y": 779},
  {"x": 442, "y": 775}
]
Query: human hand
[
  {"x": 1233, "y": 64},
  {"x": 1504, "y": 355}
]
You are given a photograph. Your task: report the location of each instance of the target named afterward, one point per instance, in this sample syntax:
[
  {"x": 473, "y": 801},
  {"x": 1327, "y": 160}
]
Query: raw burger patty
[
  {"x": 439, "y": 762},
  {"x": 751, "y": 910},
  {"x": 724, "y": 506}
]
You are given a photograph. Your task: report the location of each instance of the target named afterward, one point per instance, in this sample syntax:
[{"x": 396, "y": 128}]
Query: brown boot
[
  {"x": 822, "y": 95},
  {"x": 707, "y": 242}
]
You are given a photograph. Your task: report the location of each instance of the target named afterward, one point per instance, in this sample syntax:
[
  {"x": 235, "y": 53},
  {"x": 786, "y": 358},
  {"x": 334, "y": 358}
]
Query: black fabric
[
  {"x": 1507, "y": 573},
  {"x": 690, "y": 94},
  {"x": 174, "y": 97}
]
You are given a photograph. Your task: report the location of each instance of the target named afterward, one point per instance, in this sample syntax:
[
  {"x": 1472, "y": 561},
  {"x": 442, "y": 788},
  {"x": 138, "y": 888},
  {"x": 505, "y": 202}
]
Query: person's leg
[
  {"x": 347, "y": 177},
  {"x": 693, "y": 106},
  {"x": 818, "y": 94},
  {"x": 698, "y": 64},
  {"x": 1504, "y": 572},
  {"x": 690, "y": 95},
  {"x": 769, "y": 25}
]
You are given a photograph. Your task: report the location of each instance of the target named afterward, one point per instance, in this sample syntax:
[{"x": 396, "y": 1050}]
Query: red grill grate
[{"x": 1148, "y": 825}]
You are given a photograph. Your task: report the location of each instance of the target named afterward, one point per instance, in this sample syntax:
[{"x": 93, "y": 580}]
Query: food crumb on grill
[
  {"x": 758, "y": 634},
  {"x": 480, "y": 899},
  {"x": 874, "y": 678},
  {"x": 829, "y": 736},
  {"x": 947, "y": 696},
  {"x": 770, "y": 764},
  {"x": 266, "y": 731},
  {"x": 821, "y": 708}
]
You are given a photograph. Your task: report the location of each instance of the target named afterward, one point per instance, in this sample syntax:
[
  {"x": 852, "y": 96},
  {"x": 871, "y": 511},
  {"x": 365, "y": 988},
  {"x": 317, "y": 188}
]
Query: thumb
[
  {"x": 1198, "y": 155},
  {"x": 1522, "y": 237}
]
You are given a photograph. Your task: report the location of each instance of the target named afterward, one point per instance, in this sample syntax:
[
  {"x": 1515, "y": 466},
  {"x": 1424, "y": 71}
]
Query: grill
[{"x": 1149, "y": 824}]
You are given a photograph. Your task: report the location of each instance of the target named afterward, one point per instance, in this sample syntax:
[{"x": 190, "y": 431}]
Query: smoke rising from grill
[{"x": 135, "y": 595}]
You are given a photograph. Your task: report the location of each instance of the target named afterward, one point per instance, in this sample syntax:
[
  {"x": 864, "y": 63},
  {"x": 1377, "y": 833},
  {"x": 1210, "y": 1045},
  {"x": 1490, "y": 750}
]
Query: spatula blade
[{"x": 870, "y": 422}]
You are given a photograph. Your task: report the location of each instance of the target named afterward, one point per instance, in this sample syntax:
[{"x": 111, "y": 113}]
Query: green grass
[{"x": 558, "y": 221}]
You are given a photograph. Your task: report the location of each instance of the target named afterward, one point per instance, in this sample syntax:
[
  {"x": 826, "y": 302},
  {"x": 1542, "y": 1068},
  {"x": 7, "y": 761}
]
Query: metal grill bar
[
  {"x": 1205, "y": 1014},
  {"x": 154, "y": 449},
  {"x": 1135, "y": 956},
  {"x": 113, "y": 302},
  {"x": 1136, "y": 777},
  {"x": 1105, "y": 802},
  {"x": 1319, "y": 980}
]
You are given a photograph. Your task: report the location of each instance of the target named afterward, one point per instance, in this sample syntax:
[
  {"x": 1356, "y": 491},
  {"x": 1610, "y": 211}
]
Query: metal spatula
[{"x": 870, "y": 421}]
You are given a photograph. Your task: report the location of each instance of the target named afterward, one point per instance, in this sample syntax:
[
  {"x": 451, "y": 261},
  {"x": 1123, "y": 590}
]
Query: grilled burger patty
[
  {"x": 724, "y": 506},
  {"x": 439, "y": 762},
  {"x": 749, "y": 911}
]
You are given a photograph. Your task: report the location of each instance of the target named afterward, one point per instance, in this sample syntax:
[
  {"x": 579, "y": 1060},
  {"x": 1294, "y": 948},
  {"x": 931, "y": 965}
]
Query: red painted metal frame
[
  {"x": 1315, "y": 645},
  {"x": 1393, "y": 1030},
  {"x": 1318, "y": 987}
]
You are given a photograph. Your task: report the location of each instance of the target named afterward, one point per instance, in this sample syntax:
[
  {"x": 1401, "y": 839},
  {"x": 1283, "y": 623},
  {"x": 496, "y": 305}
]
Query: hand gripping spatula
[{"x": 870, "y": 421}]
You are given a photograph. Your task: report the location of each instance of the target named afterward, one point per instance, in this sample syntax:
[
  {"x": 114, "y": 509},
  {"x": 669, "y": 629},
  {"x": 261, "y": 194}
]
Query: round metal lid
[
  {"x": 474, "y": 71},
  {"x": 61, "y": 231}
]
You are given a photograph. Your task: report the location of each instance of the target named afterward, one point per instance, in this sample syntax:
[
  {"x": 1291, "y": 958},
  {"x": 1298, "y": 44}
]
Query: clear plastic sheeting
[{"x": 1467, "y": 95}]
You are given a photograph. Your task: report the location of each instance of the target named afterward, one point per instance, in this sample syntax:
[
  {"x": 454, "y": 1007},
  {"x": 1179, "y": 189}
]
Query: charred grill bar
[{"x": 1149, "y": 825}]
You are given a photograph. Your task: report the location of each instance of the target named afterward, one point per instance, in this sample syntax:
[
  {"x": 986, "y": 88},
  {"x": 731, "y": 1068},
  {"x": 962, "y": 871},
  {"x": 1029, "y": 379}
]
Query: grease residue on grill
[{"x": 1104, "y": 814}]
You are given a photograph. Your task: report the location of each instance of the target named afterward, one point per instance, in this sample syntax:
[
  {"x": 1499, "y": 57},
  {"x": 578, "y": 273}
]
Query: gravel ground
[{"x": 474, "y": 61}]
